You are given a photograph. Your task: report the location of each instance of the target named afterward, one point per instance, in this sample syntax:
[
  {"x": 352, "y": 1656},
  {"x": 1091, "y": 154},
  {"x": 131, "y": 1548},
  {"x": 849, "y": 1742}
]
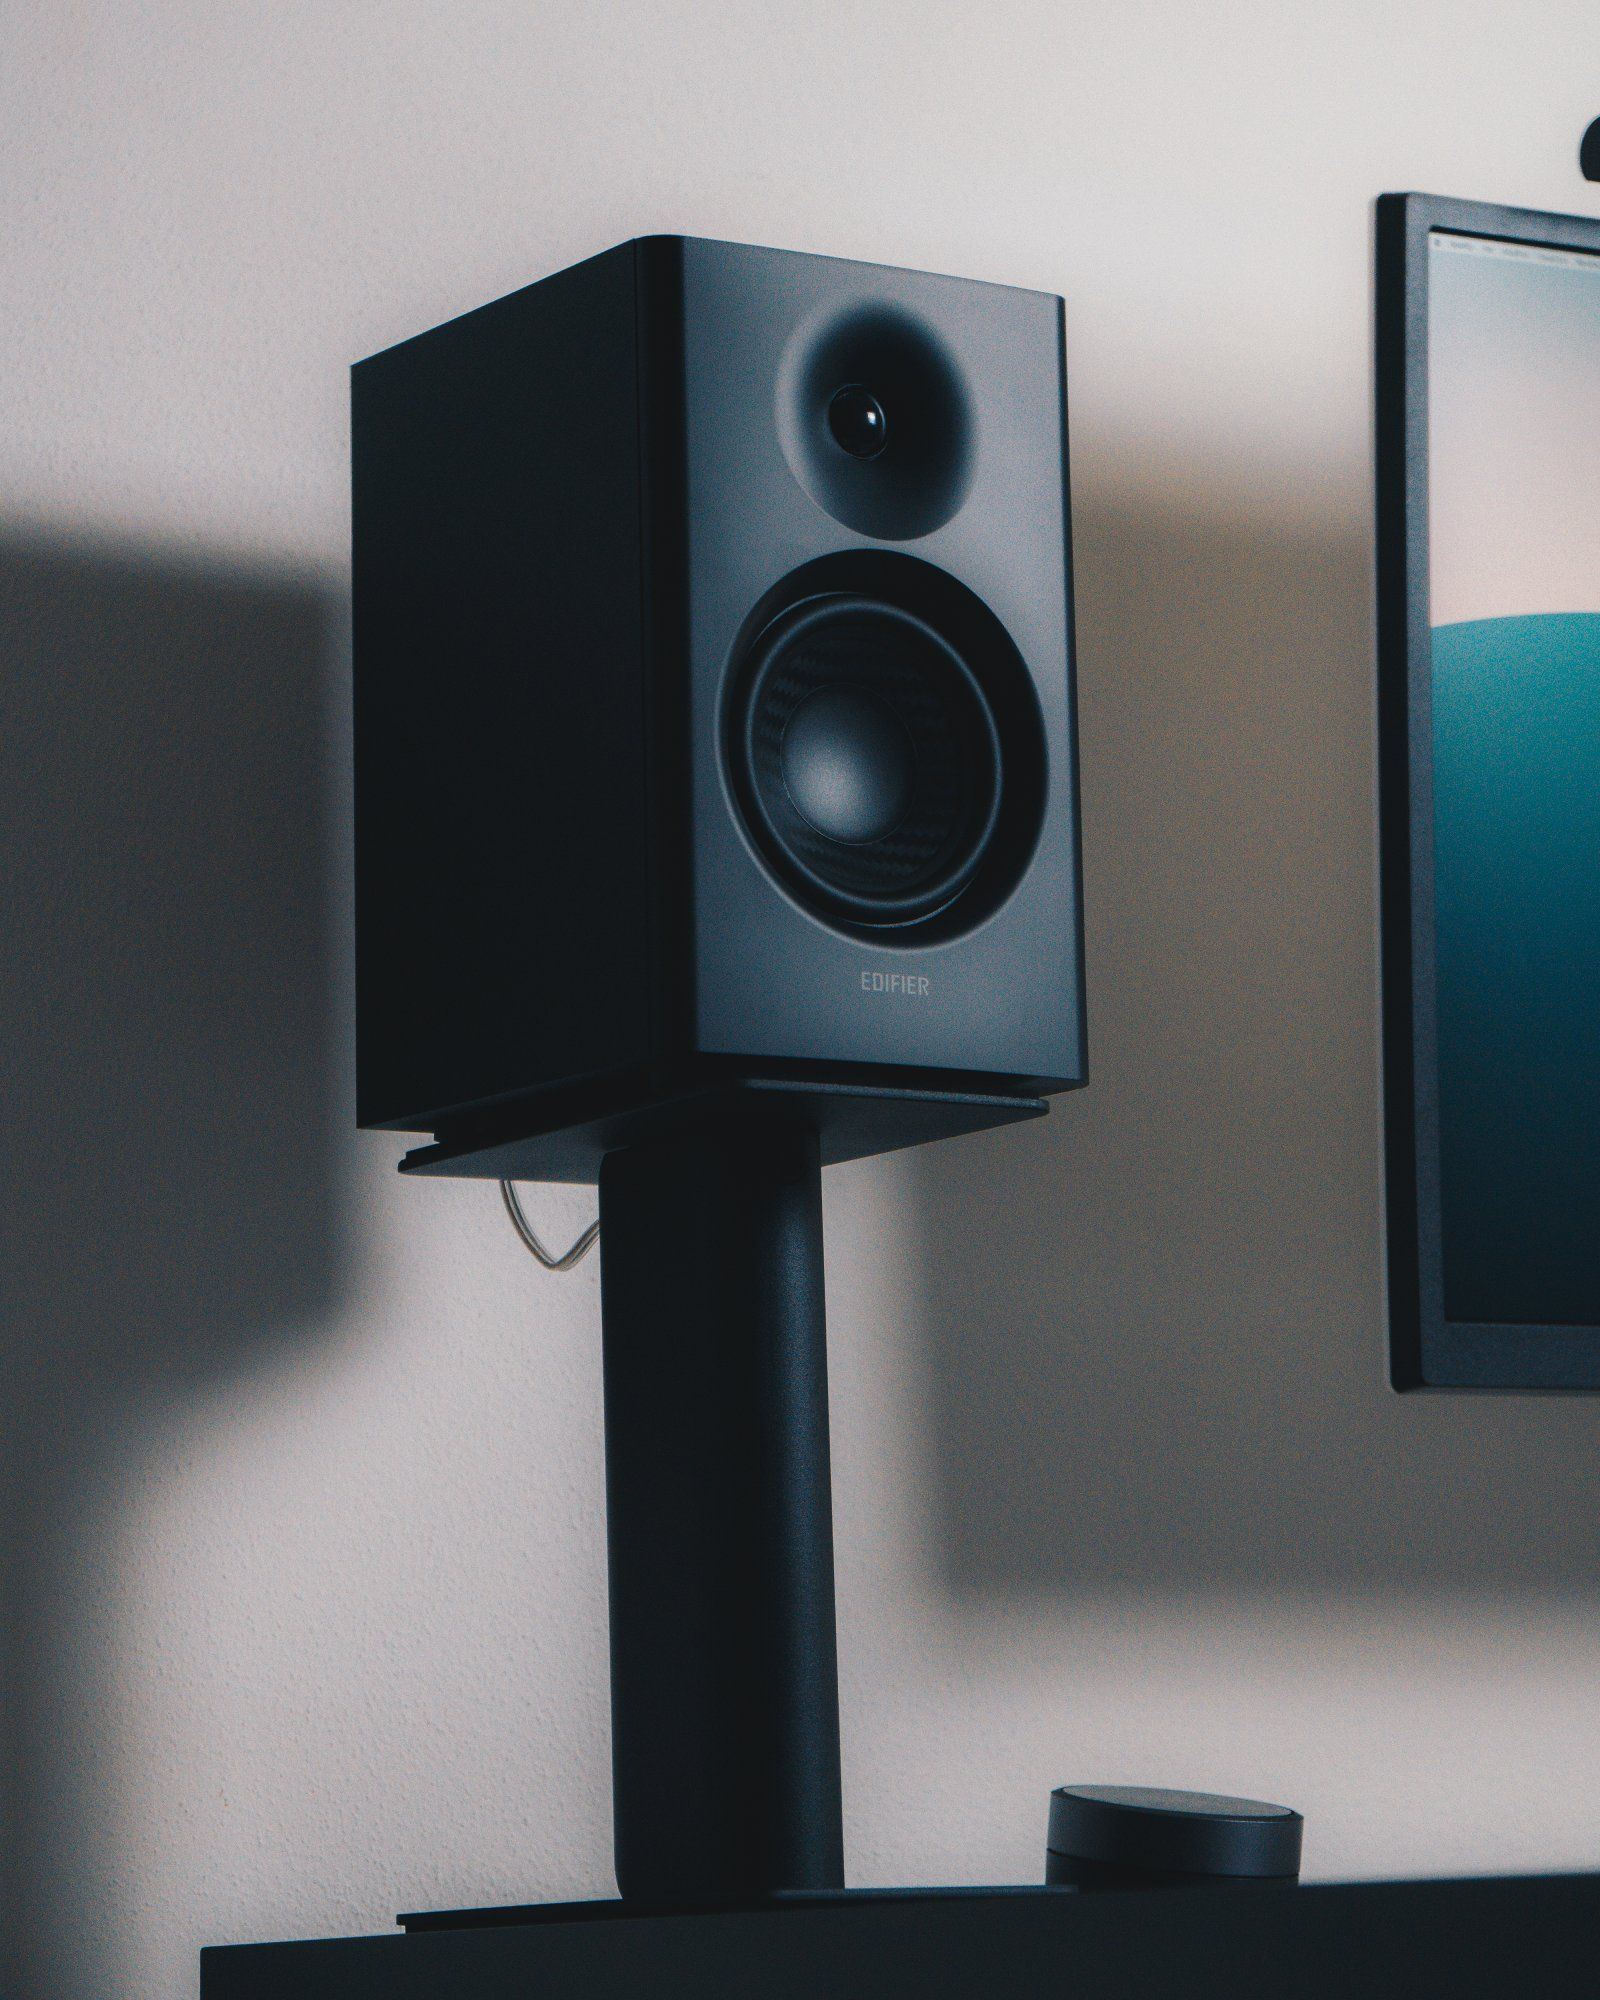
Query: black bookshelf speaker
[{"x": 714, "y": 709}]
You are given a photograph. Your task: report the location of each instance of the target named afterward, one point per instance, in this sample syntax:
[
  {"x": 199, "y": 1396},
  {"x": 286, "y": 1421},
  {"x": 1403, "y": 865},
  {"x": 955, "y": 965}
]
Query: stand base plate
[{"x": 853, "y": 1122}]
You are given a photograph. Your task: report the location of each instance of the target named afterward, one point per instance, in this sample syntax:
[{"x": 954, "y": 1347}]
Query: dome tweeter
[{"x": 876, "y": 423}]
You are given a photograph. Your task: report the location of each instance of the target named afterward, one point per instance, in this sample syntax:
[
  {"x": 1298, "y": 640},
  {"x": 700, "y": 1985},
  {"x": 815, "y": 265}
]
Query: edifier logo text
[{"x": 909, "y": 985}]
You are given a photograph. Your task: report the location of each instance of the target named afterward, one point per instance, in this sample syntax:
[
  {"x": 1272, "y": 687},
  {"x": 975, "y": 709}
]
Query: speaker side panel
[
  {"x": 981, "y": 501},
  {"x": 501, "y": 899}
]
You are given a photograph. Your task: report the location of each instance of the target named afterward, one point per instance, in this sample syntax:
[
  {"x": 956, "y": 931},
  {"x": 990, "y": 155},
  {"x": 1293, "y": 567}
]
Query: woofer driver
[{"x": 866, "y": 758}]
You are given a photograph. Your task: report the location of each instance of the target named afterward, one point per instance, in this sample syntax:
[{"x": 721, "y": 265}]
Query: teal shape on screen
[{"x": 1516, "y": 767}]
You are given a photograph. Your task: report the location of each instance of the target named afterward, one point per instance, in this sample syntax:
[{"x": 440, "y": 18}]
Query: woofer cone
[{"x": 866, "y": 759}]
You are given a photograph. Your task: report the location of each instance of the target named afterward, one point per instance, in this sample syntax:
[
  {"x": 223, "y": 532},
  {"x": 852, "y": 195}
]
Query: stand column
[{"x": 724, "y": 1680}]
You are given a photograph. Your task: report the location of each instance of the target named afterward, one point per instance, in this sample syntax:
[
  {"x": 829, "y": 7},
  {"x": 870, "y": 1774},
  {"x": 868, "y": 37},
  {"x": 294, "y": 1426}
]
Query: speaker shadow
[
  {"x": 1154, "y": 1321},
  {"x": 169, "y": 1163}
]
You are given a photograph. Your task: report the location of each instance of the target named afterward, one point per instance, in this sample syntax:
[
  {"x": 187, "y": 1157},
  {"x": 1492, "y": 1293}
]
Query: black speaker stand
[
  {"x": 724, "y": 1685},
  {"x": 729, "y": 1852}
]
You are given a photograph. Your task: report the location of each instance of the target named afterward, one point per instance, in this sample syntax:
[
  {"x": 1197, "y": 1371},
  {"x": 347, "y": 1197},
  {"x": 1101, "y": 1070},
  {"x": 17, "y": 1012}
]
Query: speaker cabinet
[{"x": 714, "y": 708}]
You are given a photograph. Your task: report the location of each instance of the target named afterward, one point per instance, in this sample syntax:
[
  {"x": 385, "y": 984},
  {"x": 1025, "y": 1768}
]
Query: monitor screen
[{"x": 1489, "y": 443}]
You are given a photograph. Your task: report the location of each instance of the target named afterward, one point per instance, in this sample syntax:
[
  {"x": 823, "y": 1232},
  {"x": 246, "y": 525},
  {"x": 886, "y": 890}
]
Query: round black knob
[
  {"x": 1139, "y": 1837},
  {"x": 1589, "y": 153},
  {"x": 855, "y": 416}
]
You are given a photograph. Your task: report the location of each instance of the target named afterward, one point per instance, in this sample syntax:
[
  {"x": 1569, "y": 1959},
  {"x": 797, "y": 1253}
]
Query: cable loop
[{"x": 525, "y": 1230}]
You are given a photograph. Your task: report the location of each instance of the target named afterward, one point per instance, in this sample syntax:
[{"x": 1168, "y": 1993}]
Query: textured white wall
[{"x": 303, "y": 1591}]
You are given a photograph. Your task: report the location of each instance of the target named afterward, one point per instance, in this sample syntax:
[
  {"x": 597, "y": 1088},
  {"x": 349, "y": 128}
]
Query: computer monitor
[{"x": 1488, "y": 464}]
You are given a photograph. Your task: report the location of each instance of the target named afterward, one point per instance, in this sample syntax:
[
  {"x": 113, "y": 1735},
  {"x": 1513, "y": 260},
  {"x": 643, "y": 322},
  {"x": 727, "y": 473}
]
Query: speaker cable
[{"x": 530, "y": 1238}]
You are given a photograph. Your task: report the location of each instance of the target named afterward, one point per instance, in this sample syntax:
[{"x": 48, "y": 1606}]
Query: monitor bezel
[{"x": 1427, "y": 1351}]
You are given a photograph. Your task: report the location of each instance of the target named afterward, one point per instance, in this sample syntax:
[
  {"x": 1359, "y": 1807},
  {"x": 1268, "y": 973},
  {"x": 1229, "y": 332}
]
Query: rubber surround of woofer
[{"x": 882, "y": 773}]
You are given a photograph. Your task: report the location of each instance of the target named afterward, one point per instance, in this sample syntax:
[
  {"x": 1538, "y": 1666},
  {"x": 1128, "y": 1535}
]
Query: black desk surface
[{"x": 1536, "y": 1936}]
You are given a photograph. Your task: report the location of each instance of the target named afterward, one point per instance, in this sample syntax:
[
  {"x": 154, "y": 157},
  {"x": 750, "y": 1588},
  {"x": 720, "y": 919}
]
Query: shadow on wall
[
  {"x": 1155, "y": 1319},
  {"x": 167, "y": 1137}
]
